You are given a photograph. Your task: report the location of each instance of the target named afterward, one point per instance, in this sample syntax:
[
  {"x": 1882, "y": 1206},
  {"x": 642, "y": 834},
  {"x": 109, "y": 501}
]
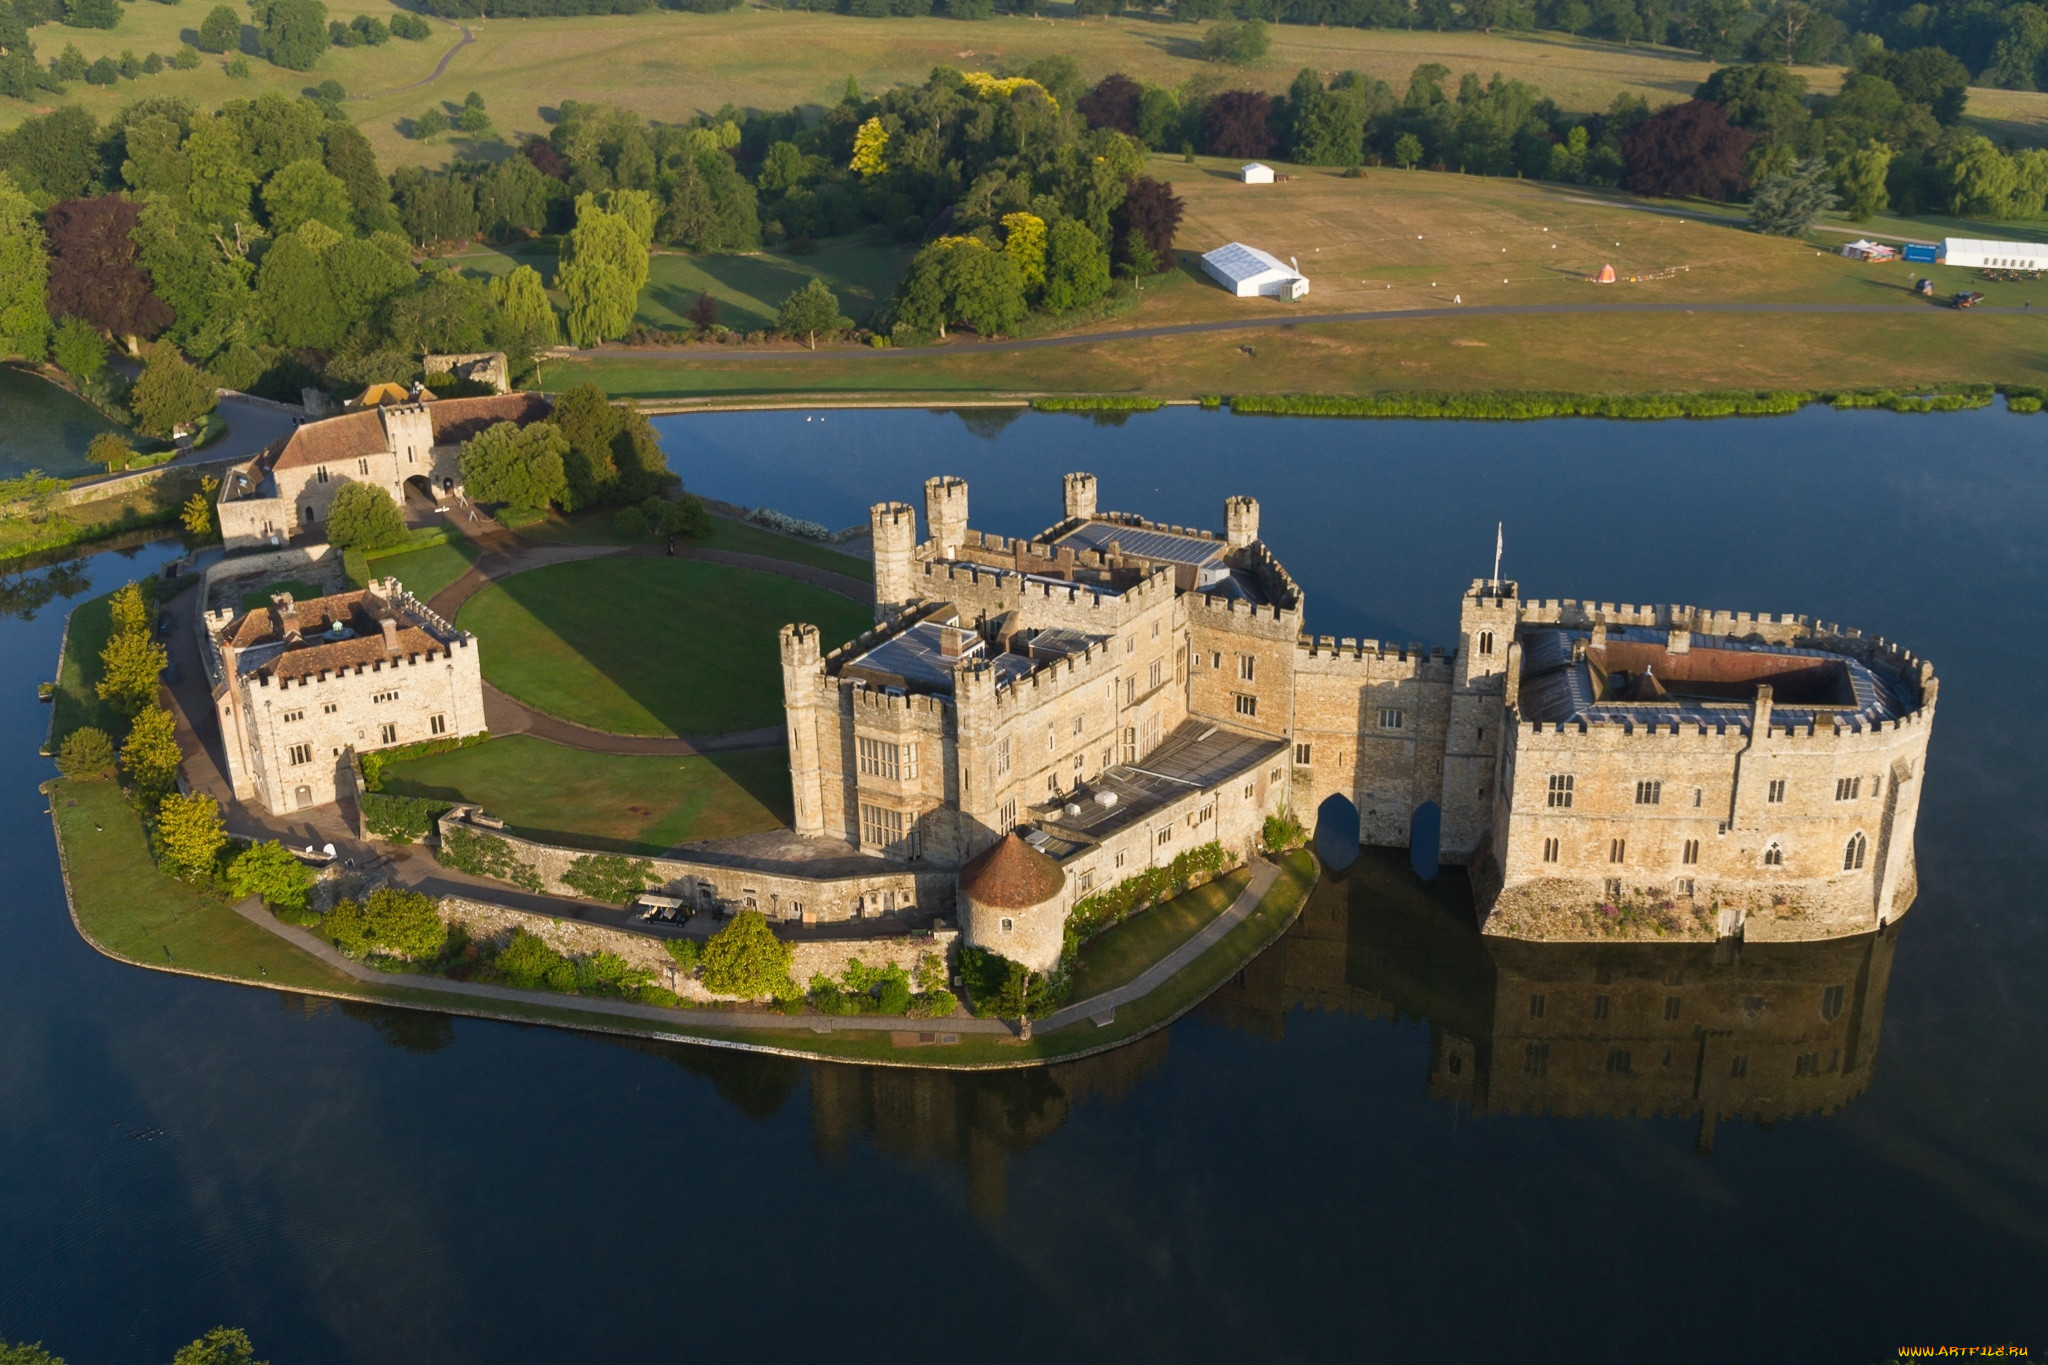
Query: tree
[
  {"x": 24, "y": 276},
  {"x": 363, "y": 517},
  {"x": 961, "y": 278},
  {"x": 1238, "y": 44},
  {"x": 1024, "y": 243},
  {"x": 1764, "y": 98},
  {"x": 1860, "y": 179},
  {"x": 1113, "y": 103},
  {"x": 704, "y": 312},
  {"x": 220, "y": 31},
  {"x": 1407, "y": 151},
  {"x": 22, "y": 1353},
  {"x": 1076, "y": 267},
  {"x": 221, "y": 1346},
  {"x": 1787, "y": 205},
  {"x": 94, "y": 273},
  {"x": 91, "y": 13},
  {"x": 350, "y": 160},
  {"x": 110, "y": 450},
  {"x": 1151, "y": 214},
  {"x": 1924, "y": 75},
  {"x": 1979, "y": 179},
  {"x": 747, "y": 960},
  {"x": 57, "y": 156},
  {"x": 128, "y": 610},
  {"x": 1684, "y": 150},
  {"x": 269, "y": 870},
  {"x": 291, "y": 33},
  {"x": 196, "y": 516},
  {"x": 303, "y": 192},
  {"x": 520, "y": 467},
  {"x": 189, "y": 835},
  {"x": 171, "y": 392},
  {"x": 811, "y": 310},
  {"x": 524, "y": 308},
  {"x": 79, "y": 350},
  {"x": 86, "y": 754},
  {"x": 1238, "y": 123},
  {"x": 130, "y": 663},
  {"x": 150, "y": 753},
  {"x": 432, "y": 123},
  {"x": 602, "y": 272},
  {"x": 870, "y": 149}
]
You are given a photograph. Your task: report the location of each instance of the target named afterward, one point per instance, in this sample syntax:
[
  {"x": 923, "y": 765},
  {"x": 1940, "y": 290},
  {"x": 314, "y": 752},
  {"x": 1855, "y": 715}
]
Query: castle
[
  {"x": 1054, "y": 715},
  {"x": 287, "y": 490},
  {"x": 298, "y": 687}
]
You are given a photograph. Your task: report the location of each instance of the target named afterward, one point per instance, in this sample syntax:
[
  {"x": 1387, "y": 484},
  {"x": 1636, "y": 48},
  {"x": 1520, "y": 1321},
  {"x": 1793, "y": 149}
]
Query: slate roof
[
  {"x": 1012, "y": 875},
  {"x": 355, "y": 434}
]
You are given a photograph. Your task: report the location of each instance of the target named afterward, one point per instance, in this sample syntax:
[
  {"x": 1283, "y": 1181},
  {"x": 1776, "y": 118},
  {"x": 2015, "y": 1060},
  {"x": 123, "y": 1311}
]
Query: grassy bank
[{"x": 735, "y": 537}]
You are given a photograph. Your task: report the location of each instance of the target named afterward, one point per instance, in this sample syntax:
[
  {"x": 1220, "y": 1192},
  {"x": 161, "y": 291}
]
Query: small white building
[
  {"x": 1256, "y": 173},
  {"x": 1977, "y": 254},
  {"x": 1251, "y": 273}
]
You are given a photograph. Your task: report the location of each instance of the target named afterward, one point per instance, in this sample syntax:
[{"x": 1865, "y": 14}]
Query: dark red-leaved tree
[
  {"x": 94, "y": 273},
  {"x": 1151, "y": 213},
  {"x": 704, "y": 312},
  {"x": 546, "y": 159},
  {"x": 1686, "y": 149},
  {"x": 1238, "y": 123},
  {"x": 1113, "y": 103}
]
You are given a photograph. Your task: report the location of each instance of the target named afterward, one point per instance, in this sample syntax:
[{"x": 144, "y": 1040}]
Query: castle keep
[
  {"x": 1112, "y": 692},
  {"x": 298, "y": 687}
]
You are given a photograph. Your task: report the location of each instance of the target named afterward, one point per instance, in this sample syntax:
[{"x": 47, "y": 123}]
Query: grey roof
[
  {"x": 1555, "y": 689},
  {"x": 1240, "y": 262},
  {"x": 915, "y": 659},
  {"x": 1144, "y": 542},
  {"x": 1199, "y": 755}
]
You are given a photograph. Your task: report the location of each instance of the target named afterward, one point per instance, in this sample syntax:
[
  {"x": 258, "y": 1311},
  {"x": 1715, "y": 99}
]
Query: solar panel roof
[{"x": 1144, "y": 542}]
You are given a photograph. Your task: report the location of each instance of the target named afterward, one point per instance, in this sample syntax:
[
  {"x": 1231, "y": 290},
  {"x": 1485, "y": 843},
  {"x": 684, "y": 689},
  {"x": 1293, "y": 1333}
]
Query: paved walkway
[
  {"x": 1102, "y": 1008},
  {"x": 502, "y": 555},
  {"x": 440, "y": 67}
]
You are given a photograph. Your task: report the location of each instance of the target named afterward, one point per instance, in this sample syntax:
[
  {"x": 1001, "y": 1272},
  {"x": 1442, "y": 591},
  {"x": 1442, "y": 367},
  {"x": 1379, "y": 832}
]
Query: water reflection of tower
[
  {"x": 976, "y": 1120},
  {"x": 1705, "y": 1030}
]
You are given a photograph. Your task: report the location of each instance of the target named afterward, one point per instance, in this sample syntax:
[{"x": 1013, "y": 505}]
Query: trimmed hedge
[
  {"x": 374, "y": 762},
  {"x": 1112, "y": 906}
]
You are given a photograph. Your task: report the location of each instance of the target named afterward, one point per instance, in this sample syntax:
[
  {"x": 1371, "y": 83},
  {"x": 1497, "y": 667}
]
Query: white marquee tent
[
  {"x": 1250, "y": 273},
  {"x": 1976, "y": 254}
]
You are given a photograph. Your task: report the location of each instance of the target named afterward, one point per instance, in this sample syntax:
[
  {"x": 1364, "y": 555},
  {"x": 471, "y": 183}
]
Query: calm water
[
  {"x": 43, "y": 427},
  {"x": 1325, "y": 1163}
]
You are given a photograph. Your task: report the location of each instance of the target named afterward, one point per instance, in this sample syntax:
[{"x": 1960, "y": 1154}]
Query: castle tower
[
  {"x": 1479, "y": 685},
  {"x": 803, "y": 680},
  {"x": 974, "y": 710},
  {"x": 945, "y": 513},
  {"x": 893, "y": 526},
  {"x": 1080, "y": 495},
  {"x": 1240, "y": 521}
]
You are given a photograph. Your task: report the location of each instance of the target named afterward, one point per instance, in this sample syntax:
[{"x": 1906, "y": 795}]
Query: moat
[{"x": 1341, "y": 1148}]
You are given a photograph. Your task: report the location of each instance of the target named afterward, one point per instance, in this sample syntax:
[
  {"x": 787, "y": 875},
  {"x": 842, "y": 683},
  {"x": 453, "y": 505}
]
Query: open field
[
  {"x": 649, "y": 646},
  {"x": 617, "y": 803},
  {"x": 671, "y": 65}
]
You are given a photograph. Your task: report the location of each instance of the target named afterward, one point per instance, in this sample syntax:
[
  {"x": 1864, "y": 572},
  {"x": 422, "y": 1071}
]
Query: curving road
[
  {"x": 504, "y": 556},
  {"x": 440, "y": 68},
  {"x": 1305, "y": 320}
]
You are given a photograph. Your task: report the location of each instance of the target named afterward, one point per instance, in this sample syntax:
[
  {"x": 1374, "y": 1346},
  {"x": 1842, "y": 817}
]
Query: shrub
[
  {"x": 129, "y": 666},
  {"x": 685, "y": 951},
  {"x": 610, "y": 877},
  {"x": 79, "y": 349},
  {"x": 788, "y": 525},
  {"x": 527, "y": 962},
  {"x": 269, "y": 870},
  {"x": 401, "y": 819},
  {"x": 1002, "y": 989},
  {"x": 1112, "y": 905},
  {"x": 1281, "y": 831},
  {"x": 86, "y": 754},
  {"x": 1101, "y": 402},
  {"x": 401, "y": 923},
  {"x": 110, "y": 450},
  {"x": 373, "y": 763},
  {"x": 486, "y": 855},
  {"x": 1518, "y": 406},
  {"x": 746, "y": 959}
]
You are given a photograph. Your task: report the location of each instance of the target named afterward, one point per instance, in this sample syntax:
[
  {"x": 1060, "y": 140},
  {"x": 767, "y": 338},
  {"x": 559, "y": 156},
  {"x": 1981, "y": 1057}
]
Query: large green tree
[
  {"x": 524, "y": 309},
  {"x": 305, "y": 192},
  {"x": 24, "y": 274},
  {"x": 363, "y": 517},
  {"x": 519, "y": 467},
  {"x": 603, "y": 269},
  {"x": 811, "y": 310},
  {"x": 171, "y": 392},
  {"x": 220, "y": 30},
  {"x": 747, "y": 960},
  {"x": 269, "y": 870},
  {"x": 613, "y": 455},
  {"x": 150, "y": 754},
  {"x": 189, "y": 833},
  {"x": 291, "y": 33}
]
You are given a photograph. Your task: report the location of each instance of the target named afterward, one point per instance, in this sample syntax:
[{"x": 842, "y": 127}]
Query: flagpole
[{"x": 1499, "y": 529}]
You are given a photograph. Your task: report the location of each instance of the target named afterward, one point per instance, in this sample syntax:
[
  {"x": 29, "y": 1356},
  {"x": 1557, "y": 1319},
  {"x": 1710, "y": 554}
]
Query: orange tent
[{"x": 1606, "y": 275}]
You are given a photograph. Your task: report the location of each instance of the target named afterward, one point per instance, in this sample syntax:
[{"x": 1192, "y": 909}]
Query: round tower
[
  {"x": 1013, "y": 902},
  {"x": 945, "y": 512},
  {"x": 1240, "y": 521},
  {"x": 893, "y": 527},
  {"x": 1080, "y": 493}
]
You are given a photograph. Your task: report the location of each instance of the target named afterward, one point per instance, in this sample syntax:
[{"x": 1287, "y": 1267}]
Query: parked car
[
  {"x": 1924, "y": 286},
  {"x": 1966, "y": 299}
]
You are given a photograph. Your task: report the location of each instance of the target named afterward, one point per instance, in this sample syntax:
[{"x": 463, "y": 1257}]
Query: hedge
[
  {"x": 374, "y": 762},
  {"x": 1514, "y": 406},
  {"x": 1098, "y": 402},
  {"x": 1106, "y": 908}
]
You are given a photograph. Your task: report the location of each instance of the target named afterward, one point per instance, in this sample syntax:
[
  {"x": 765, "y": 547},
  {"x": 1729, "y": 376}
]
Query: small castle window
[
  {"x": 1050, "y": 742},
  {"x": 1614, "y": 888},
  {"x": 1247, "y": 668},
  {"x": 329, "y": 708},
  {"x": 1215, "y": 658},
  {"x": 1831, "y": 1001},
  {"x": 1155, "y": 630},
  {"x": 1550, "y": 849},
  {"x": 1852, "y": 856},
  {"x": 1535, "y": 1007},
  {"x": 1684, "y": 887},
  {"x": 1247, "y": 705},
  {"x": 1617, "y": 850},
  {"x": 1699, "y": 797},
  {"x": 322, "y": 473},
  {"x": 1302, "y": 754},
  {"x": 1007, "y": 923},
  {"x": 1649, "y": 793},
  {"x": 437, "y": 725},
  {"x": 1776, "y": 792},
  {"x": 1807, "y": 1065},
  {"x": 382, "y": 697},
  {"x": 1006, "y": 818},
  {"x": 1561, "y": 790},
  {"x": 1672, "y": 1004},
  {"x": 1087, "y": 881},
  {"x": 292, "y": 716},
  {"x": 302, "y": 753},
  {"x": 1003, "y": 756},
  {"x": 1155, "y": 676},
  {"x": 1392, "y": 718},
  {"x": 1690, "y": 854},
  {"x": 1486, "y": 642},
  {"x": 1848, "y": 788},
  {"x": 1166, "y": 834},
  {"x": 1600, "y": 1004},
  {"x": 1536, "y": 1059},
  {"x": 1078, "y": 721},
  {"x": 362, "y": 466},
  {"x": 1774, "y": 856},
  {"x": 1251, "y": 789},
  {"x": 1617, "y": 1061},
  {"x": 1117, "y": 861},
  {"x": 881, "y": 827},
  {"x": 389, "y": 733}
]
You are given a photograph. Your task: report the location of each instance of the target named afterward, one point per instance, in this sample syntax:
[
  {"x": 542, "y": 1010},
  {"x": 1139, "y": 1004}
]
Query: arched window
[
  {"x": 1486, "y": 642},
  {"x": 1774, "y": 855},
  {"x": 1852, "y": 856}
]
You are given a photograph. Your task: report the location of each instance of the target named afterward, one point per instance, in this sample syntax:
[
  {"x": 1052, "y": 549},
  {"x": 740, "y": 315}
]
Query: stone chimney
[
  {"x": 286, "y": 614},
  {"x": 1760, "y": 716},
  {"x": 1680, "y": 642},
  {"x": 389, "y": 625},
  {"x": 1599, "y": 640}
]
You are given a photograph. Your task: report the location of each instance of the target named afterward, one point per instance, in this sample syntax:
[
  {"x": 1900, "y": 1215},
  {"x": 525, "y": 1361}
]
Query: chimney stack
[
  {"x": 287, "y": 614},
  {"x": 390, "y": 626}
]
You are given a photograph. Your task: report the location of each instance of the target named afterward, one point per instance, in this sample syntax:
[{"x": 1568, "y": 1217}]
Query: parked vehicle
[
  {"x": 1924, "y": 286},
  {"x": 1967, "y": 298}
]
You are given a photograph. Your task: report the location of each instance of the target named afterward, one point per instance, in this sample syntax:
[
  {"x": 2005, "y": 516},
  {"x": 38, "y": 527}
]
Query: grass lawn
[
  {"x": 1123, "y": 954},
  {"x": 618, "y": 803},
  {"x": 750, "y": 287},
  {"x": 77, "y": 703},
  {"x": 259, "y": 600},
  {"x": 426, "y": 572},
  {"x": 737, "y": 537},
  {"x": 649, "y": 646}
]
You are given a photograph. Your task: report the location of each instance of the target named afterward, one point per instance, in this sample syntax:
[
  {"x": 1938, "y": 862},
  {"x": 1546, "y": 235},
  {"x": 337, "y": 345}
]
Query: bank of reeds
[
  {"x": 1098, "y": 402},
  {"x": 1516, "y": 406}
]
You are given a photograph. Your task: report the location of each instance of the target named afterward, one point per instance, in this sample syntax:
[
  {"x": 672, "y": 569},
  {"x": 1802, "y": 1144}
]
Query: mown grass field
[
  {"x": 649, "y": 646},
  {"x": 1121, "y": 955},
  {"x": 737, "y": 537},
  {"x": 618, "y": 803}
]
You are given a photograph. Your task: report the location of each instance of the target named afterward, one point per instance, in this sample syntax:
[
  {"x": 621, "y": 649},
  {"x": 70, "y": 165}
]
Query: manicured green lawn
[
  {"x": 739, "y": 537},
  {"x": 77, "y": 704},
  {"x": 1123, "y": 954},
  {"x": 618, "y": 803},
  {"x": 426, "y": 572},
  {"x": 259, "y": 600},
  {"x": 649, "y": 646}
]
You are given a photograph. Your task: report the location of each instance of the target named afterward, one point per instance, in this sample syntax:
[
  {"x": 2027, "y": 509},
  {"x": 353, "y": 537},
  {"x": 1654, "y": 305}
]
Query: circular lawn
[{"x": 649, "y": 646}]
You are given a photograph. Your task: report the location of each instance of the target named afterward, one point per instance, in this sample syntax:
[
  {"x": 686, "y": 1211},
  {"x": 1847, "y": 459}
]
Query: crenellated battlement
[
  {"x": 1378, "y": 659},
  {"x": 870, "y": 701}
]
